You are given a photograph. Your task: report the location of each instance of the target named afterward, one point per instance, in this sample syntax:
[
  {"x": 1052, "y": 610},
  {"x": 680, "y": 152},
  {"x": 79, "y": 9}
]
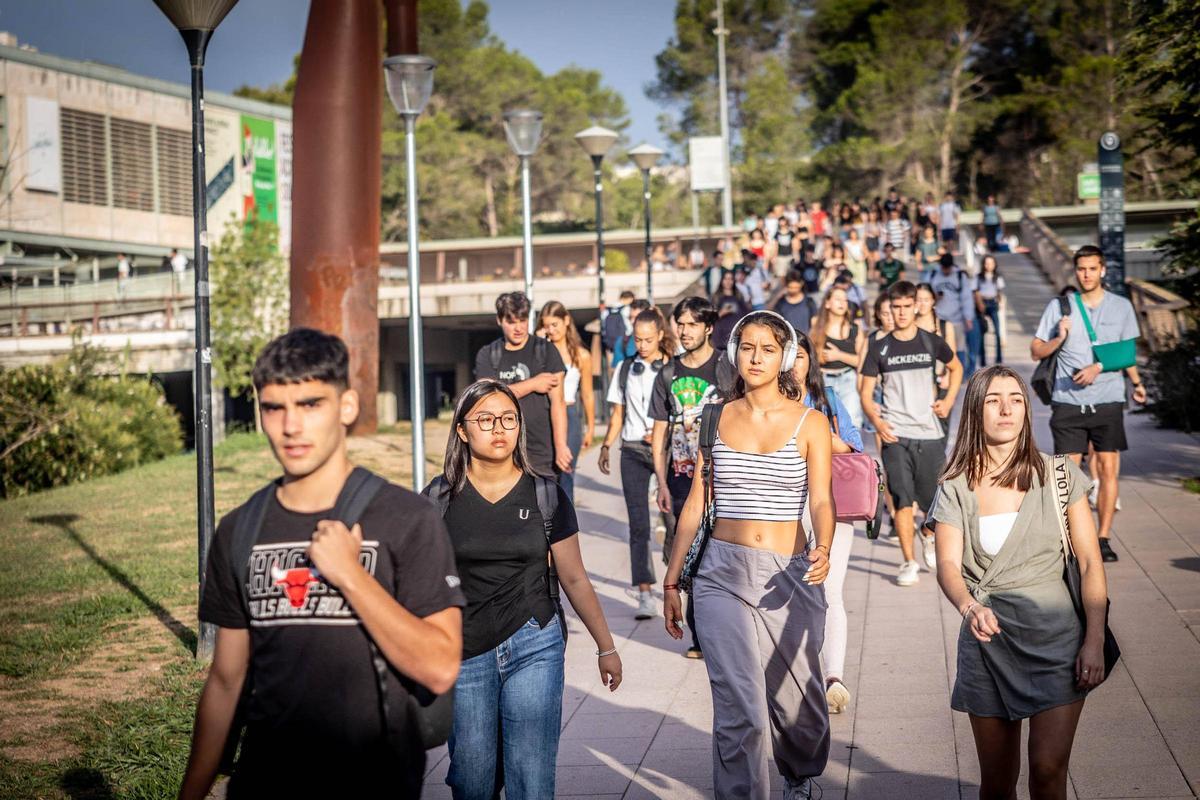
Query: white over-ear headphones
[{"x": 789, "y": 350}]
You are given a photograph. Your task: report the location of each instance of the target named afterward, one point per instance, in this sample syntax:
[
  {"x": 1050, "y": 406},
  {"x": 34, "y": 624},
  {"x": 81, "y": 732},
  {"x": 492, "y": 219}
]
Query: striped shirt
[{"x": 771, "y": 487}]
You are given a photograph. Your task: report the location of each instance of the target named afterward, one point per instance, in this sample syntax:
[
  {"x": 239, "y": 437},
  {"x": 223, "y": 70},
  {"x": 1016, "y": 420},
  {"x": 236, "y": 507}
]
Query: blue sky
[{"x": 258, "y": 39}]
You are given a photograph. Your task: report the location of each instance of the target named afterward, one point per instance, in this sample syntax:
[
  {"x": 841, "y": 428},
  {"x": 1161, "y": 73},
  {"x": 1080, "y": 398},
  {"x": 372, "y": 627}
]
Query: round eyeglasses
[{"x": 487, "y": 422}]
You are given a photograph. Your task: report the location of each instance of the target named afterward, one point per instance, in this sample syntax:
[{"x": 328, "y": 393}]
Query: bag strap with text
[{"x": 1062, "y": 493}]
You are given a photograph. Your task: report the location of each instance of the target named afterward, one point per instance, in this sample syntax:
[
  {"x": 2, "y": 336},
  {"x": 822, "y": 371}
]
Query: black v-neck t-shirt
[{"x": 501, "y": 552}]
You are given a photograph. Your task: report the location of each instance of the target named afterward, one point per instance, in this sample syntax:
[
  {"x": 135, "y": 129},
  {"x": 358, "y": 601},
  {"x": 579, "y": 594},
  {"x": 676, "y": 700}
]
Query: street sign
[
  {"x": 706, "y": 162},
  {"x": 1089, "y": 185},
  {"x": 1112, "y": 211}
]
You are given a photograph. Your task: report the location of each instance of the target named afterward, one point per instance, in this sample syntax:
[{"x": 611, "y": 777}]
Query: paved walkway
[{"x": 1140, "y": 734}]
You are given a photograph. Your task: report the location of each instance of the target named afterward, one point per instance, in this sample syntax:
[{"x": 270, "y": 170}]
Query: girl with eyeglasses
[
  {"x": 757, "y": 593},
  {"x": 508, "y": 697},
  {"x": 629, "y": 397}
]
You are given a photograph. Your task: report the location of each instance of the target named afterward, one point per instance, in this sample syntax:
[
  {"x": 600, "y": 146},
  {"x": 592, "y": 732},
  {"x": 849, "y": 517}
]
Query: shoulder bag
[
  {"x": 1112, "y": 652},
  {"x": 1113, "y": 356},
  {"x": 1046, "y": 371},
  {"x": 857, "y": 486},
  {"x": 710, "y": 416}
]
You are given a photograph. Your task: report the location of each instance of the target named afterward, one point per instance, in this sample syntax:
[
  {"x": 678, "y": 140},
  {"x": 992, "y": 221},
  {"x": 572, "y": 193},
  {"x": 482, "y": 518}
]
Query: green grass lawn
[{"x": 97, "y": 679}]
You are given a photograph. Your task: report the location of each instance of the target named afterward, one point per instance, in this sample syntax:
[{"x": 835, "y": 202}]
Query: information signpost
[{"x": 1112, "y": 212}]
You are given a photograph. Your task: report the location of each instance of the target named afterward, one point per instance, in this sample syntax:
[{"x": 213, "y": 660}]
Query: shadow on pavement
[{"x": 65, "y": 523}]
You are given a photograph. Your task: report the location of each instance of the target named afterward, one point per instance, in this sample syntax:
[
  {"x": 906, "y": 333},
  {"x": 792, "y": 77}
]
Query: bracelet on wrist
[
  {"x": 606, "y": 652},
  {"x": 818, "y": 547},
  {"x": 970, "y": 607},
  {"x": 670, "y": 587}
]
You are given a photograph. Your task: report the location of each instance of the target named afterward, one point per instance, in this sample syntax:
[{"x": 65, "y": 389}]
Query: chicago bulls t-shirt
[{"x": 315, "y": 697}]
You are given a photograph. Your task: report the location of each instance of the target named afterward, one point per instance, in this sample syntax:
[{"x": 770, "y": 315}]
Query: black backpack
[
  {"x": 546, "y": 490},
  {"x": 1047, "y": 369},
  {"x": 613, "y": 329},
  {"x": 434, "y": 714}
]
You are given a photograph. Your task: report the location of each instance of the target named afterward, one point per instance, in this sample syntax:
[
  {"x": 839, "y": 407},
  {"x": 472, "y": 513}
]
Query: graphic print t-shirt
[
  {"x": 905, "y": 370},
  {"x": 315, "y": 691},
  {"x": 519, "y": 365},
  {"x": 680, "y": 404}
]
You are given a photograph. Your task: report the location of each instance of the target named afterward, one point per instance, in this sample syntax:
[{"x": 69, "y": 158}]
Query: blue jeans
[
  {"x": 574, "y": 441},
  {"x": 845, "y": 386},
  {"x": 507, "y": 717}
]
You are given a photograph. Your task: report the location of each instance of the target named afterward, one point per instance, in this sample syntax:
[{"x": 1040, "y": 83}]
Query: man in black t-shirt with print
[
  {"x": 534, "y": 370},
  {"x": 675, "y": 407},
  {"x": 316, "y": 595},
  {"x": 909, "y": 421}
]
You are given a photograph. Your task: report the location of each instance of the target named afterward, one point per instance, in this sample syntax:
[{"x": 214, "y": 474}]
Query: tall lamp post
[
  {"x": 646, "y": 156},
  {"x": 409, "y": 85},
  {"x": 196, "y": 20},
  {"x": 596, "y": 142},
  {"x": 524, "y": 131}
]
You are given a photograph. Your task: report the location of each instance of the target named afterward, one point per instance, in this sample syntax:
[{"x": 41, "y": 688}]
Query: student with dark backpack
[
  {"x": 514, "y": 538},
  {"x": 629, "y": 397},
  {"x": 339, "y": 635}
]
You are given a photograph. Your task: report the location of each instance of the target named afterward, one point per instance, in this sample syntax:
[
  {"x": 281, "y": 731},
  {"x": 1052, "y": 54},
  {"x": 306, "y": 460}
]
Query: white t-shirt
[
  {"x": 988, "y": 289},
  {"x": 947, "y": 213},
  {"x": 636, "y": 399},
  {"x": 179, "y": 262}
]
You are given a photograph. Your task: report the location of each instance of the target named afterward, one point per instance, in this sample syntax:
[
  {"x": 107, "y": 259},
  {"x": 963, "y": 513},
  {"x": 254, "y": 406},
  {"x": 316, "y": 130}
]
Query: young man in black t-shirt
[
  {"x": 534, "y": 370},
  {"x": 675, "y": 407},
  {"x": 315, "y": 596}
]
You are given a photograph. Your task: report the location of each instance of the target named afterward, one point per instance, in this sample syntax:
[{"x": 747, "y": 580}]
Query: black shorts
[
  {"x": 913, "y": 467},
  {"x": 949, "y": 234},
  {"x": 1101, "y": 425}
]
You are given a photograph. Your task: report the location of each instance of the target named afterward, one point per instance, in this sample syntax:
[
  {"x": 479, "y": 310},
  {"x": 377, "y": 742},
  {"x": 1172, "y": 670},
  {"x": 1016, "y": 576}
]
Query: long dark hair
[
  {"x": 969, "y": 455},
  {"x": 995, "y": 267},
  {"x": 458, "y": 452},
  {"x": 654, "y": 316},
  {"x": 789, "y": 386},
  {"x": 814, "y": 380}
]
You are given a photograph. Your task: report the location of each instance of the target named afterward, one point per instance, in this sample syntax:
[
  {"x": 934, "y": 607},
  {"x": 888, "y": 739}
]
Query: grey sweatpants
[{"x": 763, "y": 631}]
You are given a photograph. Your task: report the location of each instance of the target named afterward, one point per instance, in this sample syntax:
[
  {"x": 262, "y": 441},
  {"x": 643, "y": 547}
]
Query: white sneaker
[
  {"x": 1094, "y": 497},
  {"x": 837, "y": 696},
  {"x": 909, "y": 574},
  {"x": 647, "y": 608},
  {"x": 929, "y": 552}
]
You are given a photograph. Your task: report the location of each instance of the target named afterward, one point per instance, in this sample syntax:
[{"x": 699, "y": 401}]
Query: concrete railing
[{"x": 1047, "y": 250}]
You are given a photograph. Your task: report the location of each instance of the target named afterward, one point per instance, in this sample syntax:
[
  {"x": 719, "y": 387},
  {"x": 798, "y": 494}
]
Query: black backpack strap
[
  {"x": 623, "y": 376},
  {"x": 438, "y": 491},
  {"x": 924, "y": 335},
  {"x": 546, "y": 490},
  {"x": 495, "y": 349},
  {"x": 710, "y": 418}
]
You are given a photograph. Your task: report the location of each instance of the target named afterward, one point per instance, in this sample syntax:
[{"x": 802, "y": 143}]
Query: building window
[
  {"x": 174, "y": 171},
  {"x": 84, "y": 159},
  {"x": 132, "y": 165}
]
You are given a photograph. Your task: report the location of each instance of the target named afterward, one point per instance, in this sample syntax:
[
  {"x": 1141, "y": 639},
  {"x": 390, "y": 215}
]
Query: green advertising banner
[
  {"x": 1089, "y": 185},
  {"x": 259, "y": 191}
]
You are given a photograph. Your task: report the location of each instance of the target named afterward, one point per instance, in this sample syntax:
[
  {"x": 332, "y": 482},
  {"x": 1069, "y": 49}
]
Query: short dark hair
[
  {"x": 303, "y": 354},
  {"x": 627, "y": 295},
  {"x": 889, "y": 246},
  {"x": 902, "y": 289},
  {"x": 1088, "y": 251},
  {"x": 794, "y": 276},
  {"x": 638, "y": 306},
  {"x": 512, "y": 305},
  {"x": 699, "y": 307},
  {"x": 946, "y": 260}
]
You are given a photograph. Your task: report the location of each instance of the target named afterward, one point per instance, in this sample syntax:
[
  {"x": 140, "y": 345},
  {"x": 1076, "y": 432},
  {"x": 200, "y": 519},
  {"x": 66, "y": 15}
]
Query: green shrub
[
  {"x": 1174, "y": 384},
  {"x": 616, "y": 261},
  {"x": 66, "y": 422}
]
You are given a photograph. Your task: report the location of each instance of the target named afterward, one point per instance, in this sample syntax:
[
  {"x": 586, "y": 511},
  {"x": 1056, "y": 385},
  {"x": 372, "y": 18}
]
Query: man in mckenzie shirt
[
  {"x": 909, "y": 422},
  {"x": 316, "y": 595}
]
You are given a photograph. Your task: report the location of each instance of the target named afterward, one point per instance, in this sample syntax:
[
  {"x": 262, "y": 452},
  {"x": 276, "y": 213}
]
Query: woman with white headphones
[{"x": 757, "y": 589}]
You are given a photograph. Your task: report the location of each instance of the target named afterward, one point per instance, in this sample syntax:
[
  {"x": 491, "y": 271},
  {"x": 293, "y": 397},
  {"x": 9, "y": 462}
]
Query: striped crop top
[{"x": 772, "y": 487}]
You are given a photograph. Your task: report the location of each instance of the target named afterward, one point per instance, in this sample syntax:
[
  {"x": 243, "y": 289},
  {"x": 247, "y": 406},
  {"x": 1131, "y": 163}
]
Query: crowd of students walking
[{"x": 360, "y": 626}]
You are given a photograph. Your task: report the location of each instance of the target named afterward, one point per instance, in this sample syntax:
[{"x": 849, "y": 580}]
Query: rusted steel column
[
  {"x": 401, "y": 27},
  {"x": 336, "y": 186}
]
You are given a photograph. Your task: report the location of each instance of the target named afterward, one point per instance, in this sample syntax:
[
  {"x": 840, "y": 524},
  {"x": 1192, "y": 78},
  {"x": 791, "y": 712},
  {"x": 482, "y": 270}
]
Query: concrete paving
[{"x": 1140, "y": 732}]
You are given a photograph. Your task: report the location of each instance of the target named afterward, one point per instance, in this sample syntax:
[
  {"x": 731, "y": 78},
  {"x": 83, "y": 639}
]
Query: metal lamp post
[
  {"x": 409, "y": 85},
  {"x": 524, "y": 131},
  {"x": 646, "y": 156},
  {"x": 596, "y": 142},
  {"x": 196, "y": 20}
]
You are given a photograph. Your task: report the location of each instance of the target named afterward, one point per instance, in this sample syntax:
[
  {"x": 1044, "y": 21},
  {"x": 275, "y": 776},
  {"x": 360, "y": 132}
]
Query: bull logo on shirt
[
  {"x": 284, "y": 588},
  {"x": 295, "y": 583}
]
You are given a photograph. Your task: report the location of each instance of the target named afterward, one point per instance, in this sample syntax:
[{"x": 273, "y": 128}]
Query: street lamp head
[
  {"x": 195, "y": 20},
  {"x": 409, "y": 82},
  {"x": 645, "y": 156},
  {"x": 524, "y": 131},
  {"x": 596, "y": 141}
]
